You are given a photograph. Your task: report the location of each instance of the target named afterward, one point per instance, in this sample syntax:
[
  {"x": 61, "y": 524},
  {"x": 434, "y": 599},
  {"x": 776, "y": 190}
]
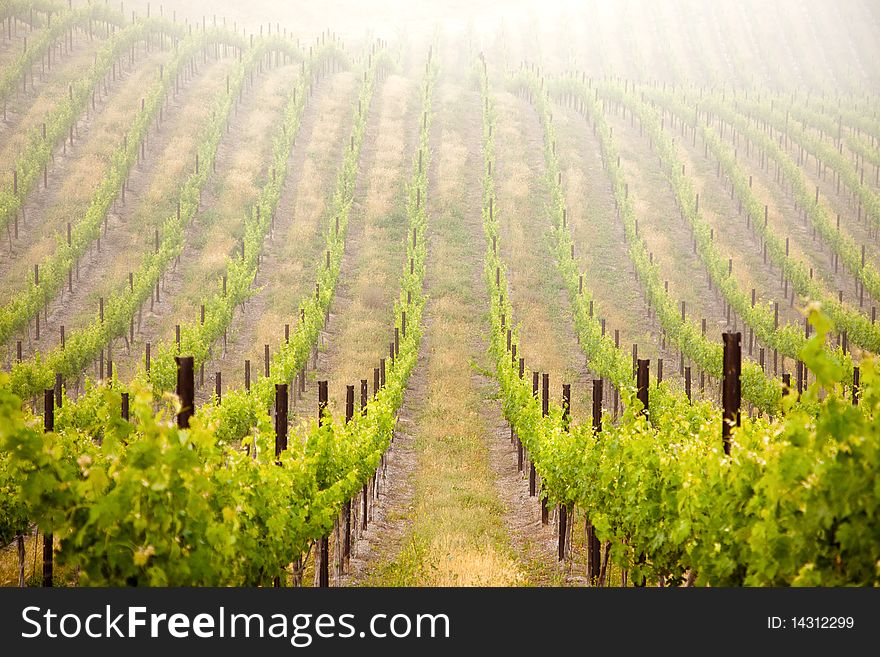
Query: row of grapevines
[
  {"x": 859, "y": 117},
  {"x": 197, "y": 339},
  {"x": 830, "y": 127},
  {"x": 669, "y": 501},
  {"x": 28, "y": 378},
  {"x": 18, "y": 8},
  {"x": 152, "y": 504},
  {"x": 843, "y": 245},
  {"x": 13, "y": 73},
  {"x": 38, "y": 149},
  {"x": 241, "y": 409},
  {"x": 242, "y": 412},
  {"x": 547, "y": 438},
  {"x": 605, "y": 359},
  {"x": 765, "y": 393},
  {"x": 788, "y": 340},
  {"x": 156, "y": 505},
  {"x": 858, "y": 327},
  {"x": 794, "y": 503},
  {"x": 771, "y": 114}
]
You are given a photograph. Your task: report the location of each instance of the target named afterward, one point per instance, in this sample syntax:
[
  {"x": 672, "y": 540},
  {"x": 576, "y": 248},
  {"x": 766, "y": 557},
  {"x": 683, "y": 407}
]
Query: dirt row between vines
[
  {"x": 293, "y": 254},
  {"x": 242, "y": 163},
  {"x": 454, "y": 510}
]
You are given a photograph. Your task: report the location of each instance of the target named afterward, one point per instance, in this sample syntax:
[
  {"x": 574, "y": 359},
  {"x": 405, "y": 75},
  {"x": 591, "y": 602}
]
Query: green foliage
[
  {"x": 146, "y": 503},
  {"x": 842, "y": 244},
  {"x": 28, "y": 378},
  {"x": 764, "y": 392},
  {"x": 794, "y": 503},
  {"x": 13, "y": 73},
  {"x": 858, "y": 327}
]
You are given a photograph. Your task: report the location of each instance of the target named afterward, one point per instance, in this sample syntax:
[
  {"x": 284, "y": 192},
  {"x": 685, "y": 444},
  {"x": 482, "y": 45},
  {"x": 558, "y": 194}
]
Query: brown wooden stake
[
  {"x": 545, "y": 410},
  {"x": 322, "y": 401},
  {"x": 593, "y": 545},
  {"x": 349, "y": 403},
  {"x": 247, "y": 374},
  {"x": 323, "y": 543},
  {"x": 731, "y": 390},
  {"x": 856, "y": 389},
  {"x": 218, "y": 387},
  {"x": 48, "y": 538},
  {"x": 281, "y": 405},
  {"x": 185, "y": 389},
  {"x": 642, "y": 381}
]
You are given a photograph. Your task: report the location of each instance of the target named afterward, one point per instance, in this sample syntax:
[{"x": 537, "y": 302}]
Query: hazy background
[{"x": 823, "y": 44}]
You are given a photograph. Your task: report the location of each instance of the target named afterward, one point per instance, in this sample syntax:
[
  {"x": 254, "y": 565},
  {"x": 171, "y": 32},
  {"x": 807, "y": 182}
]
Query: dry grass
[
  {"x": 241, "y": 167},
  {"x": 540, "y": 303},
  {"x": 33, "y": 564},
  {"x": 361, "y": 315},
  {"x": 600, "y": 243},
  {"x": 661, "y": 226},
  {"x": 456, "y": 534}
]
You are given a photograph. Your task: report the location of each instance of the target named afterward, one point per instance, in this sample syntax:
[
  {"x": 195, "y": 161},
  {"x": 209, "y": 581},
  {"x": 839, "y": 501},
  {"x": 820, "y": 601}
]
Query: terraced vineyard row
[{"x": 301, "y": 312}]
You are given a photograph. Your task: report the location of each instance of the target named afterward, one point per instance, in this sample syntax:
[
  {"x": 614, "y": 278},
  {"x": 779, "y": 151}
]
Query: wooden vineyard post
[
  {"x": 545, "y": 410},
  {"x": 642, "y": 379},
  {"x": 593, "y": 546},
  {"x": 48, "y": 538},
  {"x": 535, "y": 389},
  {"x": 281, "y": 405},
  {"x": 563, "y": 511},
  {"x": 687, "y": 382},
  {"x": 124, "y": 409},
  {"x": 731, "y": 390},
  {"x": 218, "y": 387},
  {"x": 247, "y": 374},
  {"x": 323, "y": 542},
  {"x": 185, "y": 389},
  {"x": 856, "y": 385},
  {"x": 322, "y": 401},
  {"x": 346, "y": 508},
  {"x": 364, "y": 393}
]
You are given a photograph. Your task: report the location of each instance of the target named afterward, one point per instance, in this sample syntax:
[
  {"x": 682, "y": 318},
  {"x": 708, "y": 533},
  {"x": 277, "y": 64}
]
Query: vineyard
[{"x": 527, "y": 303}]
